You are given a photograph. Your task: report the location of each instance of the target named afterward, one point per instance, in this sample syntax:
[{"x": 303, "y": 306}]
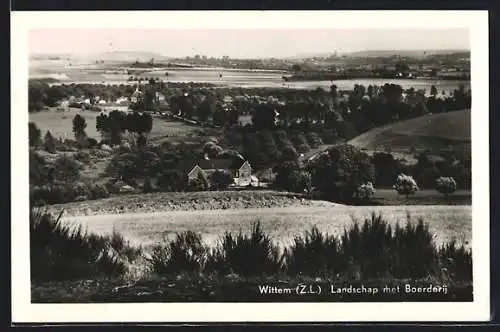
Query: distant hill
[
  {"x": 106, "y": 56},
  {"x": 126, "y": 56},
  {"x": 405, "y": 53},
  {"x": 378, "y": 53},
  {"x": 55, "y": 56},
  {"x": 434, "y": 132}
]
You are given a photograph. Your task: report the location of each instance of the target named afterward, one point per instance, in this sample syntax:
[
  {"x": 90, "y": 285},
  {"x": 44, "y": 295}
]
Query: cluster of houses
[{"x": 83, "y": 101}]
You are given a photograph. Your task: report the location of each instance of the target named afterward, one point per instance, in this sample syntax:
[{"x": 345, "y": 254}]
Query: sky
[{"x": 242, "y": 43}]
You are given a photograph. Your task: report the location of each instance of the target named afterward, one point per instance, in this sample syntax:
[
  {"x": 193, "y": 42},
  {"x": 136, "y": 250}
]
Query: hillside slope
[{"x": 434, "y": 132}]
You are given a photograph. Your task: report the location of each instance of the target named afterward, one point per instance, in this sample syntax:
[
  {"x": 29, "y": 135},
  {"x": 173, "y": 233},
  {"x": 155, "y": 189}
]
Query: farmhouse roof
[
  {"x": 221, "y": 163},
  {"x": 234, "y": 163}
]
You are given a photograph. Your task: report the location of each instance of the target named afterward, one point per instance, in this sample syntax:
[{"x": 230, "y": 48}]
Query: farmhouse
[
  {"x": 240, "y": 169},
  {"x": 136, "y": 96}
]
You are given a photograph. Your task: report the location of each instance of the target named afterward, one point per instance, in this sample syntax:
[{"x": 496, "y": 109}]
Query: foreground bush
[
  {"x": 375, "y": 250},
  {"x": 314, "y": 254},
  {"x": 60, "y": 252},
  {"x": 246, "y": 254},
  {"x": 184, "y": 254},
  {"x": 371, "y": 250}
]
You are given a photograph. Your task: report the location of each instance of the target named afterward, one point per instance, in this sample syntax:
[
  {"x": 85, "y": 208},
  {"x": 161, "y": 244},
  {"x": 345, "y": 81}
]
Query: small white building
[
  {"x": 122, "y": 100},
  {"x": 160, "y": 96}
]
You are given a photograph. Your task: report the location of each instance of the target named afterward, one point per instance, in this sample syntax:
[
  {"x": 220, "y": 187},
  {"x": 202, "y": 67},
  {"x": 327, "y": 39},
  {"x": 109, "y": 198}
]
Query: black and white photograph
[{"x": 250, "y": 166}]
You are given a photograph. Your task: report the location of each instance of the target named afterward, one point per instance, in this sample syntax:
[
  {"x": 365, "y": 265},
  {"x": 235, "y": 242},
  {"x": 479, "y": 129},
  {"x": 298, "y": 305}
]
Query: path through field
[{"x": 282, "y": 224}]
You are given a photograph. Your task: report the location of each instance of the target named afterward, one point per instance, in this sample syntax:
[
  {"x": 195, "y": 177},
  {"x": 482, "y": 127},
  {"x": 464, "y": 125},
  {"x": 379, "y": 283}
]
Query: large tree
[
  {"x": 338, "y": 173},
  {"x": 34, "y": 134},
  {"x": 206, "y": 108},
  {"x": 49, "y": 142},
  {"x": 65, "y": 169},
  {"x": 263, "y": 116},
  {"x": 79, "y": 125}
]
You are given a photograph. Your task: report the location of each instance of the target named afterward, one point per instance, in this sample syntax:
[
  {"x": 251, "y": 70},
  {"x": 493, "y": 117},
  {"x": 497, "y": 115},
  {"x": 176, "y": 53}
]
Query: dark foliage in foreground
[
  {"x": 372, "y": 249},
  {"x": 61, "y": 252},
  {"x": 246, "y": 255},
  {"x": 367, "y": 251}
]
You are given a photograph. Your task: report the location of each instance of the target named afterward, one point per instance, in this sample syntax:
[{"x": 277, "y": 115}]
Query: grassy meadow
[
  {"x": 434, "y": 132},
  {"x": 60, "y": 124},
  {"x": 445, "y": 222}
]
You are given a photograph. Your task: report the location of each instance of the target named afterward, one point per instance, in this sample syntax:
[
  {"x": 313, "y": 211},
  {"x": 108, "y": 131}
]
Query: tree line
[
  {"x": 344, "y": 173},
  {"x": 113, "y": 125}
]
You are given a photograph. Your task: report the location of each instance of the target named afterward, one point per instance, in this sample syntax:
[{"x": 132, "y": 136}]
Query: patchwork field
[{"x": 282, "y": 223}]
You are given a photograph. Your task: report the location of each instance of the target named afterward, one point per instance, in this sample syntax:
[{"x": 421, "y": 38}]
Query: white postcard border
[{"x": 24, "y": 311}]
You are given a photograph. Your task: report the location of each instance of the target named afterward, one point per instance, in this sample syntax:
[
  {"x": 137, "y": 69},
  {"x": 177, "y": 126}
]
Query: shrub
[
  {"x": 446, "y": 185},
  {"x": 35, "y": 135},
  {"x": 83, "y": 157},
  {"x": 48, "y": 194},
  {"x": 315, "y": 254},
  {"x": 98, "y": 153},
  {"x": 185, "y": 254},
  {"x": 59, "y": 252},
  {"x": 405, "y": 185},
  {"x": 147, "y": 186},
  {"x": 79, "y": 191},
  {"x": 49, "y": 142},
  {"x": 196, "y": 185},
  {"x": 124, "y": 165},
  {"x": 172, "y": 181},
  {"x": 123, "y": 247},
  {"x": 220, "y": 180},
  {"x": 293, "y": 180},
  {"x": 98, "y": 191},
  {"x": 246, "y": 255},
  {"x": 91, "y": 142},
  {"x": 65, "y": 169},
  {"x": 57, "y": 193},
  {"x": 456, "y": 261},
  {"x": 38, "y": 169},
  {"x": 366, "y": 191},
  {"x": 373, "y": 249}
]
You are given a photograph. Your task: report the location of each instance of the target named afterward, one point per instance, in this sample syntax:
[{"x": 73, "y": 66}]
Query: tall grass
[
  {"x": 371, "y": 249},
  {"x": 62, "y": 252},
  {"x": 246, "y": 254},
  {"x": 366, "y": 250},
  {"x": 185, "y": 254},
  {"x": 377, "y": 250},
  {"x": 313, "y": 254}
]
